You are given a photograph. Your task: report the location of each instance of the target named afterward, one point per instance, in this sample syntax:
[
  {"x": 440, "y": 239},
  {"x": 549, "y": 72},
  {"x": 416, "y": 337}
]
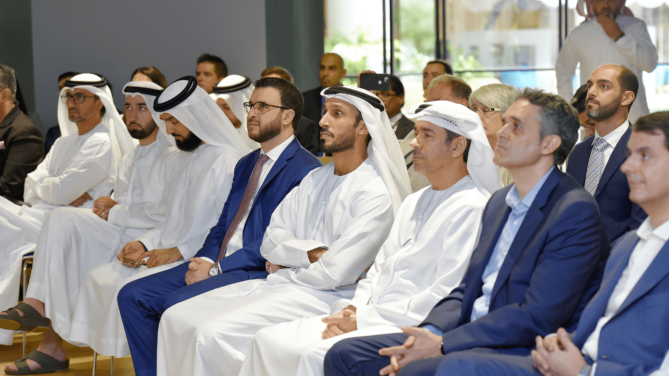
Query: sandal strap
[
  {"x": 42, "y": 359},
  {"x": 31, "y": 318},
  {"x": 13, "y": 314},
  {"x": 22, "y": 365}
]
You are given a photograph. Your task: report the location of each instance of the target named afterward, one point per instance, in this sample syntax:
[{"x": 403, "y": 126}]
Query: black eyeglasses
[
  {"x": 261, "y": 107},
  {"x": 77, "y": 98}
]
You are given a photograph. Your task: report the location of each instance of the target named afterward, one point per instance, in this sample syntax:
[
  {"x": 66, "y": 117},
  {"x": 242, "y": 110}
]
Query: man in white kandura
[
  {"x": 610, "y": 35},
  {"x": 230, "y": 94},
  {"x": 325, "y": 233},
  {"x": 76, "y": 171},
  {"x": 422, "y": 260},
  {"x": 200, "y": 177},
  {"x": 74, "y": 241}
]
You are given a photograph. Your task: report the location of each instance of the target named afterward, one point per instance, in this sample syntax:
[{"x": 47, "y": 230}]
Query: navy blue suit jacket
[
  {"x": 619, "y": 214},
  {"x": 552, "y": 269},
  {"x": 288, "y": 171},
  {"x": 636, "y": 338}
]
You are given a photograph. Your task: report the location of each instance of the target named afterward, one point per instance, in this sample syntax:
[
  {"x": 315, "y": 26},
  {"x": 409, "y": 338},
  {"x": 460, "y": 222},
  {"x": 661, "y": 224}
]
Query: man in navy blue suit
[
  {"x": 595, "y": 162},
  {"x": 231, "y": 252},
  {"x": 623, "y": 330},
  {"x": 538, "y": 261}
]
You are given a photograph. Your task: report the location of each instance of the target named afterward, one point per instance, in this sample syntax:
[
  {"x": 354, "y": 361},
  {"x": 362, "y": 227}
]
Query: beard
[
  {"x": 144, "y": 132},
  {"x": 340, "y": 144},
  {"x": 605, "y": 111},
  {"x": 189, "y": 143},
  {"x": 268, "y": 131}
]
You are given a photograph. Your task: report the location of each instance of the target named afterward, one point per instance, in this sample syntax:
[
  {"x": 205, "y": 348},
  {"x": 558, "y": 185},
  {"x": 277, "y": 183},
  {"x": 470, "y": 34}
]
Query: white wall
[{"x": 114, "y": 38}]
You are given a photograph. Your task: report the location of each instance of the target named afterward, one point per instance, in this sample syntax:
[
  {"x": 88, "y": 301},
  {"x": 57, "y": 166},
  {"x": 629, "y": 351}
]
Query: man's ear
[
  {"x": 362, "y": 128},
  {"x": 5, "y": 94},
  {"x": 550, "y": 144},
  {"x": 401, "y": 98},
  {"x": 288, "y": 117},
  {"x": 627, "y": 98},
  {"x": 464, "y": 102},
  {"x": 458, "y": 147}
]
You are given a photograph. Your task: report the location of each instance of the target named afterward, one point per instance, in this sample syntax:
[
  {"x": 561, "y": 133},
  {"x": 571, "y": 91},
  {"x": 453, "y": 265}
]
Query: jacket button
[{"x": 605, "y": 357}]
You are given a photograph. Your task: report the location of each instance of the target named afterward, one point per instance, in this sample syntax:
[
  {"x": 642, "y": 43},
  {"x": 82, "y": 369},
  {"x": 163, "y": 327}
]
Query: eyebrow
[{"x": 139, "y": 104}]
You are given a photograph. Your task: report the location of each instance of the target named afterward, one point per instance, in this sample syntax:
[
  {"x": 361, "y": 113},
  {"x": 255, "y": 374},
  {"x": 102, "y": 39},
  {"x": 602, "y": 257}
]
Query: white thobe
[
  {"x": 422, "y": 260},
  {"x": 74, "y": 241},
  {"x": 589, "y": 45},
  {"x": 349, "y": 215},
  {"x": 76, "y": 164},
  {"x": 198, "y": 186}
]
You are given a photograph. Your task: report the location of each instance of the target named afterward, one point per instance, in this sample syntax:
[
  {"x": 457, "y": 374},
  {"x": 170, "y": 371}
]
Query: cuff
[
  {"x": 111, "y": 217},
  {"x": 585, "y": 371},
  {"x": 433, "y": 329},
  {"x": 207, "y": 259}
]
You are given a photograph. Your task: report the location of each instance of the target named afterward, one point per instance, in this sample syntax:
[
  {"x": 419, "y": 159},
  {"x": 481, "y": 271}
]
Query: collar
[
  {"x": 395, "y": 118},
  {"x": 646, "y": 230},
  {"x": 11, "y": 116},
  {"x": 275, "y": 153},
  {"x": 615, "y": 136},
  {"x": 518, "y": 205}
]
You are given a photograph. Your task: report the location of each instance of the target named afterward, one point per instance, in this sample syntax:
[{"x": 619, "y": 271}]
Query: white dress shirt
[
  {"x": 650, "y": 243},
  {"x": 395, "y": 119},
  {"x": 612, "y": 140}
]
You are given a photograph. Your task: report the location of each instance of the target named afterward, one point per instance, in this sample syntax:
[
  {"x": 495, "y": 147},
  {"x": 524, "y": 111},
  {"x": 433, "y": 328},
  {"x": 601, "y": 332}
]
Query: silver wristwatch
[{"x": 213, "y": 271}]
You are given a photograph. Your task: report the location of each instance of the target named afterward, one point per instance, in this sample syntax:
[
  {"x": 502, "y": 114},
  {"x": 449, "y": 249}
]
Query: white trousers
[
  {"x": 19, "y": 229},
  {"x": 296, "y": 347},
  {"x": 72, "y": 242},
  {"x": 210, "y": 333},
  {"x": 96, "y": 321}
]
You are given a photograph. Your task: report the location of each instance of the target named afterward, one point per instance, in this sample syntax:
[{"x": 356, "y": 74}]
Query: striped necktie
[{"x": 595, "y": 165}]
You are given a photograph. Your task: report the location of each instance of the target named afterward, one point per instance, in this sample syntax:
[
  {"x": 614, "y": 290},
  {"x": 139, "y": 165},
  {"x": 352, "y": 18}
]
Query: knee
[
  {"x": 127, "y": 295},
  {"x": 336, "y": 359},
  {"x": 460, "y": 364}
]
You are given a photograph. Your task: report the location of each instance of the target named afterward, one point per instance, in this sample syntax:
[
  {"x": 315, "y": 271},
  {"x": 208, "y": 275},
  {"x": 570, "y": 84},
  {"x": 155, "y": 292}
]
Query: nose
[
  {"x": 504, "y": 131},
  {"x": 414, "y": 143}
]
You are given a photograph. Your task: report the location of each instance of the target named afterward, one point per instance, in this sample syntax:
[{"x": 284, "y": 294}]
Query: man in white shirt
[
  {"x": 607, "y": 37},
  {"x": 74, "y": 241},
  {"x": 623, "y": 330},
  {"x": 76, "y": 171},
  {"x": 199, "y": 180},
  {"x": 325, "y": 233},
  {"x": 422, "y": 260},
  {"x": 595, "y": 162}
]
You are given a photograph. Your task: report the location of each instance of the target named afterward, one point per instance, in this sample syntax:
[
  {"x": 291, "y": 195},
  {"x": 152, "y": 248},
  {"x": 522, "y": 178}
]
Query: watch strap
[{"x": 621, "y": 35}]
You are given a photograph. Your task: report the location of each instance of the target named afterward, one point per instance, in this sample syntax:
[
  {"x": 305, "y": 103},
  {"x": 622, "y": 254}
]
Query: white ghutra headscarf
[
  {"x": 120, "y": 140},
  {"x": 193, "y": 107},
  {"x": 236, "y": 90},
  {"x": 149, "y": 91},
  {"x": 463, "y": 121},
  {"x": 384, "y": 149}
]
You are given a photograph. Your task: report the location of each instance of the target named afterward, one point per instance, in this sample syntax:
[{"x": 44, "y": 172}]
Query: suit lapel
[
  {"x": 578, "y": 161},
  {"x": 657, "y": 271},
  {"x": 617, "y": 158},
  {"x": 280, "y": 163},
  {"x": 527, "y": 229},
  {"x": 597, "y": 305}
]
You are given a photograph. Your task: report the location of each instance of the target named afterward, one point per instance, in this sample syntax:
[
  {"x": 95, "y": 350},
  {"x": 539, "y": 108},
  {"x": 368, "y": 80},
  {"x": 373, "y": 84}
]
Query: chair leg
[
  {"x": 95, "y": 361},
  {"x": 25, "y": 288},
  {"x": 112, "y": 366}
]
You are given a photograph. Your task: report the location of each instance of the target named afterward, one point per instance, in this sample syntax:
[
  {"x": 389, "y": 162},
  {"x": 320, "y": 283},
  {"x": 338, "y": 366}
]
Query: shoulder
[
  {"x": 570, "y": 197},
  {"x": 626, "y": 21},
  {"x": 24, "y": 125},
  {"x": 406, "y": 120},
  {"x": 312, "y": 92},
  {"x": 301, "y": 157},
  {"x": 96, "y": 139}
]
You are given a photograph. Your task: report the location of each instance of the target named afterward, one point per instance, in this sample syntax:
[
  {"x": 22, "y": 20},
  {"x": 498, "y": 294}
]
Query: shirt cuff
[
  {"x": 551, "y": 335},
  {"x": 433, "y": 329},
  {"x": 207, "y": 259}
]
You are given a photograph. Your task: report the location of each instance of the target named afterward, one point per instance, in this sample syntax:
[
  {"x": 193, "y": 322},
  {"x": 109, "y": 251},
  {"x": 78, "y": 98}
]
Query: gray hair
[
  {"x": 498, "y": 96},
  {"x": 557, "y": 117},
  {"x": 8, "y": 80}
]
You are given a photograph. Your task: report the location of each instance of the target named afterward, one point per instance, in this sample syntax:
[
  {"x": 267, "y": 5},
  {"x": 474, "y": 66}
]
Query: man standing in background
[{"x": 210, "y": 70}]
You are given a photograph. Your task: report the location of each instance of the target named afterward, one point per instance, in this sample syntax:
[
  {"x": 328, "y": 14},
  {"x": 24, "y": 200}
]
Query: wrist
[
  {"x": 619, "y": 36},
  {"x": 145, "y": 249}
]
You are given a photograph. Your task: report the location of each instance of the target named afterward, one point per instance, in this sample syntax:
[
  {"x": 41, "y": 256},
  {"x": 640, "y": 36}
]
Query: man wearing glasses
[
  {"x": 393, "y": 100},
  {"x": 231, "y": 252},
  {"x": 75, "y": 172}
]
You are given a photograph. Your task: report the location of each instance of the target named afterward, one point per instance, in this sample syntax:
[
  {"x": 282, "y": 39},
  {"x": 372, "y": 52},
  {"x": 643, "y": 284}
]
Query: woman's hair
[{"x": 498, "y": 96}]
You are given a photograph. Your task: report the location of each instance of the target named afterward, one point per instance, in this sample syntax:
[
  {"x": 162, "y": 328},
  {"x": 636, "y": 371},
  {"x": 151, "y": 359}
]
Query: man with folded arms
[
  {"x": 423, "y": 259},
  {"x": 326, "y": 232},
  {"x": 262, "y": 179},
  {"x": 623, "y": 330},
  {"x": 535, "y": 232},
  {"x": 74, "y": 241},
  {"x": 200, "y": 177},
  {"x": 76, "y": 171}
]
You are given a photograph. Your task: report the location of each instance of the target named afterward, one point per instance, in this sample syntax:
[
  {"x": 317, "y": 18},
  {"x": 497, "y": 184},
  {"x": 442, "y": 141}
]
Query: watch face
[{"x": 213, "y": 270}]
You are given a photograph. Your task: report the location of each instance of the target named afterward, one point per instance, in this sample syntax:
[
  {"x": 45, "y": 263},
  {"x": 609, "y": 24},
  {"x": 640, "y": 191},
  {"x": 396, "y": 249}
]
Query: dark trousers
[
  {"x": 360, "y": 356},
  {"x": 143, "y": 301}
]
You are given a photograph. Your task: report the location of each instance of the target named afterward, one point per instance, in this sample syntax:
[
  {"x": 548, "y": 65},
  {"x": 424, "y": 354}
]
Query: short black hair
[
  {"x": 652, "y": 123},
  {"x": 67, "y": 75},
  {"x": 447, "y": 66},
  {"x": 557, "y": 117},
  {"x": 153, "y": 73},
  {"x": 291, "y": 97},
  {"x": 396, "y": 85},
  {"x": 628, "y": 82},
  {"x": 578, "y": 101},
  {"x": 220, "y": 67}
]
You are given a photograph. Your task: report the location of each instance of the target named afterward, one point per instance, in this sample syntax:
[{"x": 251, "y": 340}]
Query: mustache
[
  {"x": 135, "y": 123},
  {"x": 591, "y": 100}
]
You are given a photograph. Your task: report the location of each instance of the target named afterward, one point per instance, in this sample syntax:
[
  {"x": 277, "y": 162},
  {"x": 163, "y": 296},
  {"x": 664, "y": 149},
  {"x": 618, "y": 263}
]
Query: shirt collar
[
  {"x": 646, "y": 230},
  {"x": 275, "y": 153},
  {"x": 518, "y": 205},
  {"x": 395, "y": 118},
  {"x": 615, "y": 136}
]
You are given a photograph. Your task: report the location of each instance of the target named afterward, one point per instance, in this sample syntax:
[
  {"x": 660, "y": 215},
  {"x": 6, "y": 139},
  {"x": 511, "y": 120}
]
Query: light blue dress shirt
[{"x": 519, "y": 209}]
